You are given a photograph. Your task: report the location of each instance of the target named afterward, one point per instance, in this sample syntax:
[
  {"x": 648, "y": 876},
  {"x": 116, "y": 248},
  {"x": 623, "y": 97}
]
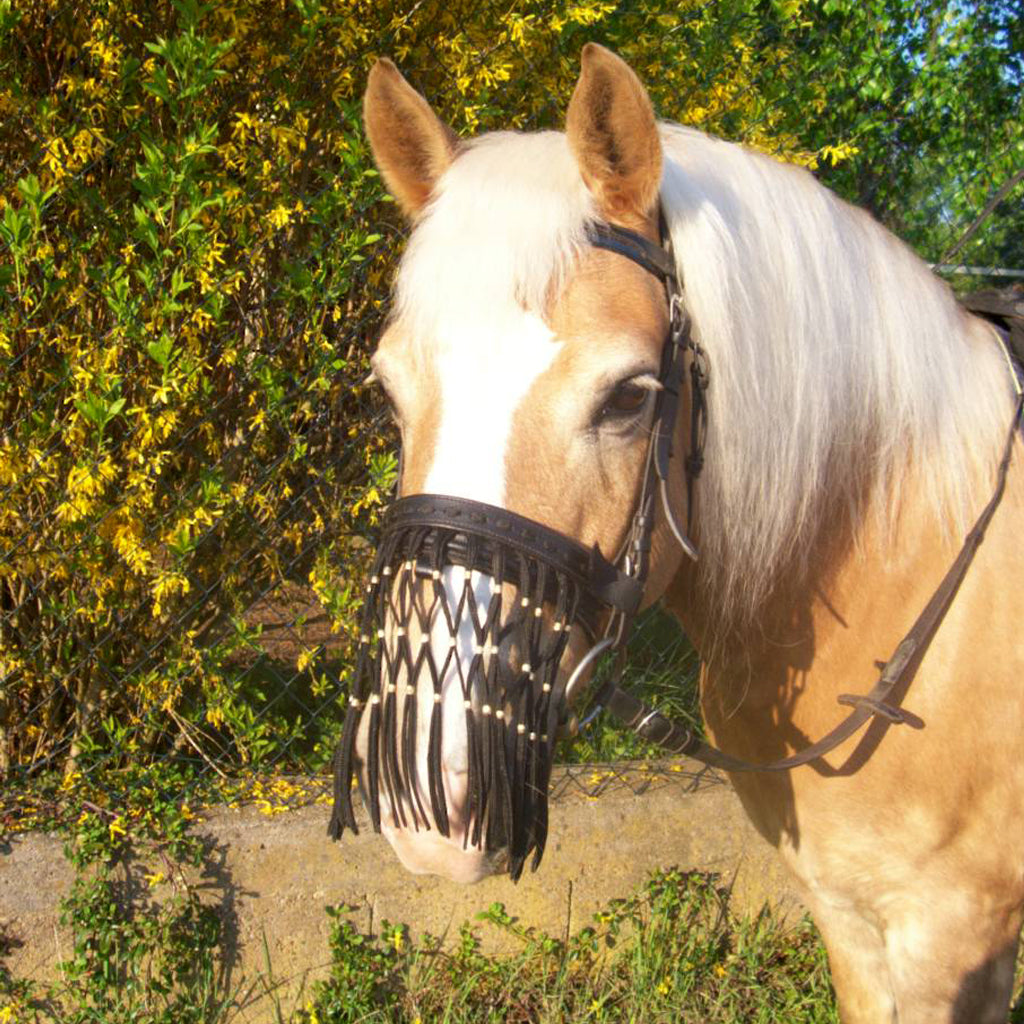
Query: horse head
[{"x": 524, "y": 365}]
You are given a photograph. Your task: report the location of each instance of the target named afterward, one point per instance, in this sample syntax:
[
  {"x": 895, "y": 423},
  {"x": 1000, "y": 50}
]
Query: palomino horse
[{"x": 857, "y": 420}]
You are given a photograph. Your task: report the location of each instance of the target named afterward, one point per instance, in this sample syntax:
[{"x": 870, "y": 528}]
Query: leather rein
[{"x": 681, "y": 350}]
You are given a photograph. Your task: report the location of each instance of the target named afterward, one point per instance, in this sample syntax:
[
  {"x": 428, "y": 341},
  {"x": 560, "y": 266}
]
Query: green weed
[{"x": 673, "y": 951}]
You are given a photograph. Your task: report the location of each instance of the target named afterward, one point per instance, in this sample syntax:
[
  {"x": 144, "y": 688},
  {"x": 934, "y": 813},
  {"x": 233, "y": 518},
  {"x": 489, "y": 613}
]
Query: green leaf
[{"x": 160, "y": 351}]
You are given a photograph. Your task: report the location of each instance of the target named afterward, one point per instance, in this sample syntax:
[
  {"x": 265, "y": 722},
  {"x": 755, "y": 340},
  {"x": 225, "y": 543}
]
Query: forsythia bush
[{"x": 194, "y": 256}]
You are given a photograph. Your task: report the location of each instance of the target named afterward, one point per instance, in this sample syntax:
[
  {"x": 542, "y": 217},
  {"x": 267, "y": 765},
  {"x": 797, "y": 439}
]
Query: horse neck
[
  {"x": 871, "y": 535},
  {"x": 827, "y": 623}
]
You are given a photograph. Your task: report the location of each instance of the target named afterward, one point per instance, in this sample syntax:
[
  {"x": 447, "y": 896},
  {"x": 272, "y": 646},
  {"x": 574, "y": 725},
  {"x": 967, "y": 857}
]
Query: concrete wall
[{"x": 271, "y": 877}]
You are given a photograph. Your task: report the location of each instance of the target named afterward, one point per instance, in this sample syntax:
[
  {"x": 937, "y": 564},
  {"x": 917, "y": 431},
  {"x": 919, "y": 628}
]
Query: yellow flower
[
  {"x": 126, "y": 543},
  {"x": 837, "y": 154},
  {"x": 167, "y": 583},
  {"x": 279, "y": 216},
  {"x": 56, "y": 151},
  {"x": 116, "y": 829}
]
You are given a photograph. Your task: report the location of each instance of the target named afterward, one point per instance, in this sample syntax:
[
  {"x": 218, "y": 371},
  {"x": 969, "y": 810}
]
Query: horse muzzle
[{"x": 473, "y": 620}]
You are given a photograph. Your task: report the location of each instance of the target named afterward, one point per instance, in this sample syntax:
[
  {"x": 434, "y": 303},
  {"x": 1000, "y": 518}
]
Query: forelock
[{"x": 507, "y": 222}]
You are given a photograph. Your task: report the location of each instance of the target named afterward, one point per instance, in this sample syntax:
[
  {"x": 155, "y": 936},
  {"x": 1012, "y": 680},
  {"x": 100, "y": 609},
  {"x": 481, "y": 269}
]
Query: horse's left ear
[{"x": 613, "y": 134}]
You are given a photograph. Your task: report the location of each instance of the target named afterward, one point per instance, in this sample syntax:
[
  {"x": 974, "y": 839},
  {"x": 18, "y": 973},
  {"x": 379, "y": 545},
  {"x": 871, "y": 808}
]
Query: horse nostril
[{"x": 510, "y": 659}]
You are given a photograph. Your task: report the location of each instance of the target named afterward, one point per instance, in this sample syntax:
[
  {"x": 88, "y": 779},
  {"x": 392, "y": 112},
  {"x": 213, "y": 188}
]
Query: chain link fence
[{"x": 194, "y": 255}]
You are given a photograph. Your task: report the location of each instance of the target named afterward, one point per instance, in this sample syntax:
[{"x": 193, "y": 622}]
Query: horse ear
[
  {"x": 411, "y": 147},
  {"x": 613, "y": 134}
]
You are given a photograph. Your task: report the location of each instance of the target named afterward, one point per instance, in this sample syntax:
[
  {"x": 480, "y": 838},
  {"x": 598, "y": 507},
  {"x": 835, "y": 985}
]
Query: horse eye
[{"x": 626, "y": 400}]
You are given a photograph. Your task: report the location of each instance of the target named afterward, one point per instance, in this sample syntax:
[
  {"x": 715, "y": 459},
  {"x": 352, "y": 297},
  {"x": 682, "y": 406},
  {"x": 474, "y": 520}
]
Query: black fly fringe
[
  {"x": 437, "y": 798},
  {"x": 538, "y": 804},
  {"x": 475, "y": 772},
  {"x": 477, "y": 776},
  {"x": 342, "y": 815},
  {"x": 373, "y": 762},
  {"x": 452, "y": 615},
  {"x": 389, "y": 758},
  {"x": 523, "y": 741},
  {"x": 419, "y": 815},
  {"x": 487, "y": 775},
  {"x": 549, "y": 713},
  {"x": 517, "y": 786},
  {"x": 501, "y": 799}
]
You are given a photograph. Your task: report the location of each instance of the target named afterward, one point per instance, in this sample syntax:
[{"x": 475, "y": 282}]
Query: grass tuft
[{"x": 673, "y": 951}]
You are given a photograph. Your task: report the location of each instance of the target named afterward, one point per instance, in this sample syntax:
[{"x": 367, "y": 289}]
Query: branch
[{"x": 1000, "y": 194}]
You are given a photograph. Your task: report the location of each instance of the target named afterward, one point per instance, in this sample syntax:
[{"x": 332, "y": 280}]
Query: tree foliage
[
  {"x": 194, "y": 256},
  {"x": 929, "y": 94}
]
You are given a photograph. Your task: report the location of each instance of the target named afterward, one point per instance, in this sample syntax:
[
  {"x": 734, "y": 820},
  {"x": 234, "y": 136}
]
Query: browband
[{"x": 631, "y": 244}]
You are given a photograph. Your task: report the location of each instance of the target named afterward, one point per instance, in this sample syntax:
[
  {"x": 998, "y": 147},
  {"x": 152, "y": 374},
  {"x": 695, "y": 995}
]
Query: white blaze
[{"x": 483, "y": 381}]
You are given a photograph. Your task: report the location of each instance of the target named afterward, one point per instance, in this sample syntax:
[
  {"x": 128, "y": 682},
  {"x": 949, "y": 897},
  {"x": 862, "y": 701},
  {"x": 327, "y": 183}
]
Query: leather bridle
[
  {"x": 650, "y": 724},
  {"x": 426, "y": 533}
]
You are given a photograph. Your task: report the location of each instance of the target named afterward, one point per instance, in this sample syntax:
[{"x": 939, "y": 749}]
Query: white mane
[
  {"x": 837, "y": 360},
  {"x": 836, "y": 357}
]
